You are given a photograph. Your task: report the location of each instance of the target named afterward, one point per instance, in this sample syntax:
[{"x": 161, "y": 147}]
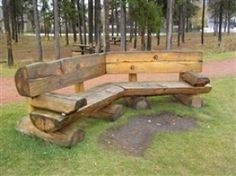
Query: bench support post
[
  {"x": 110, "y": 112},
  {"x": 190, "y": 100},
  {"x": 79, "y": 87},
  {"x": 30, "y": 108},
  {"x": 137, "y": 102},
  {"x": 67, "y": 136}
]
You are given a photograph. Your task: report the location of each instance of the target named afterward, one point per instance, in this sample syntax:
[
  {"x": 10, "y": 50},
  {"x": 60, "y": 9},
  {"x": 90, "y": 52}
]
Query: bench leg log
[
  {"x": 111, "y": 112},
  {"x": 190, "y": 100},
  {"x": 138, "y": 102},
  {"x": 66, "y": 137}
]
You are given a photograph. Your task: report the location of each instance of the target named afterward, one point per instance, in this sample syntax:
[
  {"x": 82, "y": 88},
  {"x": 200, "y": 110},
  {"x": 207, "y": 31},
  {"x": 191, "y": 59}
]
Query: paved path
[{"x": 212, "y": 69}]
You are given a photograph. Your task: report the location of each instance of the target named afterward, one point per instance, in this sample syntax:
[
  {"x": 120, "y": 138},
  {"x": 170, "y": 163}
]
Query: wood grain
[
  {"x": 38, "y": 78},
  {"x": 66, "y": 137},
  {"x": 153, "y": 62},
  {"x": 161, "y": 88},
  {"x": 195, "y": 79}
]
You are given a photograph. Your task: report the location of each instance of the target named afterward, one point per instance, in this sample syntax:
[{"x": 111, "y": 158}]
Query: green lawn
[
  {"x": 211, "y": 55},
  {"x": 206, "y": 150}
]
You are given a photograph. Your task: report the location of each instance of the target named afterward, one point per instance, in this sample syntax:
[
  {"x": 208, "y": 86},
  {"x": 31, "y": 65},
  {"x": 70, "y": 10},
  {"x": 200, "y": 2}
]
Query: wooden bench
[{"x": 51, "y": 114}]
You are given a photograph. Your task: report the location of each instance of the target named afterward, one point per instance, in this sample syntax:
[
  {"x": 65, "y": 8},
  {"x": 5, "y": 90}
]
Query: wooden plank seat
[{"x": 52, "y": 114}]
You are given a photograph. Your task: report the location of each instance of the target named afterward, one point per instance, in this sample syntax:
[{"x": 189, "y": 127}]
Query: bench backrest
[
  {"x": 35, "y": 79},
  {"x": 38, "y": 78},
  {"x": 153, "y": 62}
]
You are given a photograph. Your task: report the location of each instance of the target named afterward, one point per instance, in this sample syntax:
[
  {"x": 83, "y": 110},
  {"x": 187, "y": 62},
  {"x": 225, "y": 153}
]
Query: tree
[
  {"x": 37, "y": 31},
  {"x": 97, "y": 25},
  {"x": 106, "y": 29},
  {"x": 6, "y": 7},
  {"x": 56, "y": 30},
  {"x": 148, "y": 16},
  {"x": 123, "y": 25},
  {"x": 169, "y": 24},
  {"x": 203, "y": 19},
  {"x": 90, "y": 21}
]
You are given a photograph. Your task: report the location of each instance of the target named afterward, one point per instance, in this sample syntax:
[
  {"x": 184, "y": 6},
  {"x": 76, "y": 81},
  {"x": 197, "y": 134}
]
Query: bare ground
[{"x": 135, "y": 136}]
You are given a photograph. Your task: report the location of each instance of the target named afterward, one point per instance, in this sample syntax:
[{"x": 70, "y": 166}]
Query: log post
[
  {"x": 190, "y": 100},
  {"x": 110, "y": 112},
  {"x": 30, "y": 108},
  {"x": 137, "y": 102},
  {"x": 79, "y": 87},
  {"x": 67, "y": 136}
]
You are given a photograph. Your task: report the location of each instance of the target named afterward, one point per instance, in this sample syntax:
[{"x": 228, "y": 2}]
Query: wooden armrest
[{"x": 194, "y": 79}]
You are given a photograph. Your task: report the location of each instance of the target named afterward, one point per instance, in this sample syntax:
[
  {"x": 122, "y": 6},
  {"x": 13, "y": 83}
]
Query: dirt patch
[{"x": 135, "y": 136}]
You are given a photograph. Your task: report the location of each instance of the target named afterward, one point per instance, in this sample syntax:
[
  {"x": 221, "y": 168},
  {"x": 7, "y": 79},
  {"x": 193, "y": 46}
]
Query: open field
[
  {"x": 208, "y": 149},
  {"x": 24, "y": 51}
]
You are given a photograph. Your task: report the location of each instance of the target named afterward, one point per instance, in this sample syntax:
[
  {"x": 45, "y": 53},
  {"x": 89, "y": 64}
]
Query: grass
[
  {"x": 6, "y": 71},
  {"x": 219, "y": 56},
  {"x": 25, "y": 50},
  {"x": 206, "y": 150}
]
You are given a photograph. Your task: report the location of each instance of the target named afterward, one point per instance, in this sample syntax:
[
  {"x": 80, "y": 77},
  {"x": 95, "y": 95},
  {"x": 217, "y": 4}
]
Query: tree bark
[
  {"x": 37, "y": 31},
  {"x": 97, "y": 25},
  {"x": 90, "y": 21},
  {"x": 66, "y": 30},
  {"x": 203, "y": 19},
  {"x": 6, "y": 8},
  {"x": 149, "y": 39},
  {"x": 79, "y": 21},
  {"x": 135, "y": 35},
  {"x": 123, "y": 25},
  {"x": 117, "y": 19},
  {"x": 84, "y": 21},
  {"x": 169, "y": 24},
  {"x": 220, "y": 25},
  {"x": 228, "y": 17},
  {"x": 56, "y": 28},
  {"x": 158, "y": 37},
  {"x": 106, "y": 30}
]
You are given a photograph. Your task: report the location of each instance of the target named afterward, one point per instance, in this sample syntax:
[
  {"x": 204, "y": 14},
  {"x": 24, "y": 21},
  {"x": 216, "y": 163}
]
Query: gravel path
[{"x": 212, "y": 69}]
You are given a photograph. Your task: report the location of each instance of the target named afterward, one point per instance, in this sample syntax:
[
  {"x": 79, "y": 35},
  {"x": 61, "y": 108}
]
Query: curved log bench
[{"x": 51, "y": 114}]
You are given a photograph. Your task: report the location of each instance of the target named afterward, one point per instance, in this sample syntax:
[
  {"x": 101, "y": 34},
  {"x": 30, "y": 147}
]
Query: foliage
[{"x": 146, "y": 13}]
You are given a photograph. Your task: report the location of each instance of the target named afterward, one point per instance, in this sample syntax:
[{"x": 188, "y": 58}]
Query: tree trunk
[
  {"x": 158, "y": 37},
  {"x": 84, "y": 21},
  {"x": 106, "y": 30},
  {"x": 90, "y": 21},
  {"x": 56, "y": 28},
  {"x": 149, "y": 39},
  {"x": 183, "y": 24},
  {"x": 123, "y": 25},
  {"x": 112, "y": 18},
  {"x": 117, "y": 19},
  {"x": 220, "y": 25},
  {"x": 203, "y": 19},
  {"x": 98, "y": 25},
  {"x": 135, "y": 35},
  {"x": 143, "y": 39},
  {"x": 169, "y": 22},
  {"x": 179, "y": 25},
  {"x": 79, "y": 21},
  {"x": 6, "y": 8},
  {"x": 37, "y": 31},
  {"x": 66, "y": 30},
  {"x": 228, "y": 17}
]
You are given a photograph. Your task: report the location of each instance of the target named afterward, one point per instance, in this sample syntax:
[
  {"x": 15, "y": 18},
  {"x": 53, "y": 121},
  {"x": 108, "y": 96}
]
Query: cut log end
[
  {"x": 190, "y": 100},
  {"x": 194, "y": 79},
  {"x": 138, "y": 102},
  {"x": 21, "y": 81},
  {"x": 66, "y": 137}
]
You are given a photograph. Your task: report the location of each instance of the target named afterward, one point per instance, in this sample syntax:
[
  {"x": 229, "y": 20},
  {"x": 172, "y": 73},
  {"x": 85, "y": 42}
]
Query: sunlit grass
[{"x": 206, "y": 150}]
